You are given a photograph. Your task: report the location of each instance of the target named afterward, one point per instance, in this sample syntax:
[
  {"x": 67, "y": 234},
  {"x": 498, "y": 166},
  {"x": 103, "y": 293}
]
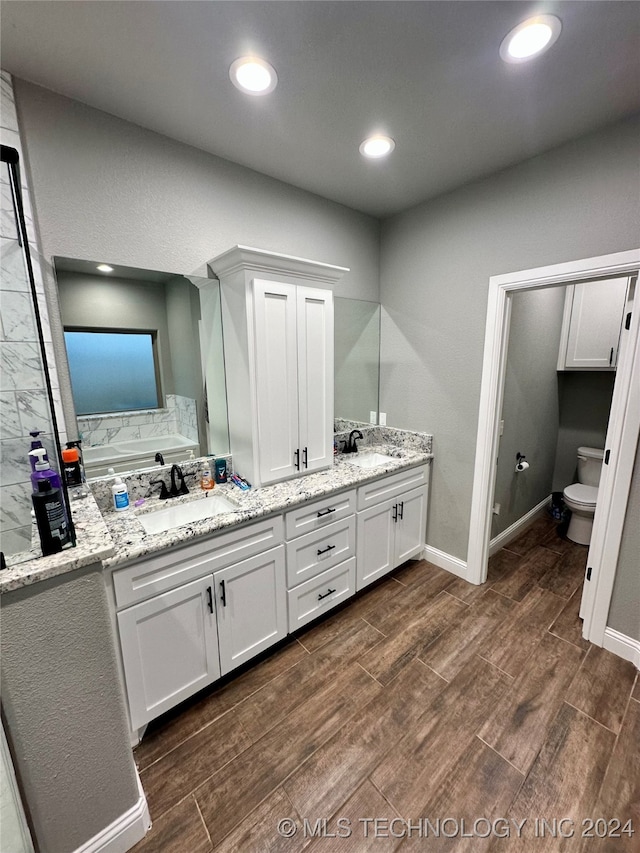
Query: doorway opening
[{"x": 621, "y": 438}]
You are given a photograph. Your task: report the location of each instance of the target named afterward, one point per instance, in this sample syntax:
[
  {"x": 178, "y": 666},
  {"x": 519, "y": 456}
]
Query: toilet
[{"x": 581, "y": 497}]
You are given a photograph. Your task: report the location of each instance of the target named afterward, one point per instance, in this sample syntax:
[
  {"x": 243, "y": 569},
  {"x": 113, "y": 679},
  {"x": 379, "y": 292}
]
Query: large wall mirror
[
  {"x": 147, "y": 378},
  {"x": 357, "y": 358}
]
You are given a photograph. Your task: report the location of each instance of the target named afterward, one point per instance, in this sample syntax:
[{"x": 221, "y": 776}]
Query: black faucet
[
  {"x": 159, "y": 458},
  {"x": 164, "y": 492},
  {"x": 179, "y": 488},
  {"x": 350, "y": 446}
]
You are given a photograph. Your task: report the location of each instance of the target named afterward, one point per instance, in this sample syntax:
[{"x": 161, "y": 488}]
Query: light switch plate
[
  {"x": 383, "y": 419},
  {"x": 373, "y": 417}
]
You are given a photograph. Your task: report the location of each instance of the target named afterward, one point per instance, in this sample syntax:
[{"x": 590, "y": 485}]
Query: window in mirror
[{"x": 112, "y": 371}]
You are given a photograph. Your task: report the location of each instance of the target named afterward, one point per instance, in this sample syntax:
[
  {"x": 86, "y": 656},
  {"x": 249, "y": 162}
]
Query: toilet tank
[{"x": 590, "y": 465}]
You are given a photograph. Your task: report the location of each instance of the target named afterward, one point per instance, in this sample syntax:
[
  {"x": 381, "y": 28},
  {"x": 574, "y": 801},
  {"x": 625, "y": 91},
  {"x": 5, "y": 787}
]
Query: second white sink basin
[
  {"x": 179, "y": 514},
  {"x": 369, "y": 460}
]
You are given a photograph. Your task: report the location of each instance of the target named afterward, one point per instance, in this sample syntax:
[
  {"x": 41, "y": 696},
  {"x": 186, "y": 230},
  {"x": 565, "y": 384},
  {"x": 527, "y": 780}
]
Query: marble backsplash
[{"x": 375, "y": 435}]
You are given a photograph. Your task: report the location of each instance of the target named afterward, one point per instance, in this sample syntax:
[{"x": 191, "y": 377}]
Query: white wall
[{"x": 577, "y": 201}]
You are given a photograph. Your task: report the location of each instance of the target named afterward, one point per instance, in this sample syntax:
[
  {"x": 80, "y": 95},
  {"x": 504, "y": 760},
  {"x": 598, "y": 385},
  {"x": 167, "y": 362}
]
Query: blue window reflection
[{"x": 111, "y": 371}]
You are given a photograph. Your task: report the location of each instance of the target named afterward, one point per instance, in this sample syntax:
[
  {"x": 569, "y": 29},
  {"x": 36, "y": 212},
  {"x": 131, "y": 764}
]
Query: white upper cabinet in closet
[
  {"x": 278, "y": 345},
  {"x": 591, "y": 324}
]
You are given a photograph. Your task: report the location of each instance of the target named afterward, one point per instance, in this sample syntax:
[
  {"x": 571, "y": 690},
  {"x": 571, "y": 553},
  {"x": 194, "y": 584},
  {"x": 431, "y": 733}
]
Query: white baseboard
[
  {"x": 125, "y": 831},
  {"x": 517, "y": 527},
  {"x": 446, "y": 561},
  {"x": 623, "y": 646}
]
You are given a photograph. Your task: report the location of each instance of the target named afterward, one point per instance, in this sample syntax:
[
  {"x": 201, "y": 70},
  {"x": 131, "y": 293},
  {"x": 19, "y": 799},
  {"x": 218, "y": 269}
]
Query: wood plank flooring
[{"x": 424, "y": 698}]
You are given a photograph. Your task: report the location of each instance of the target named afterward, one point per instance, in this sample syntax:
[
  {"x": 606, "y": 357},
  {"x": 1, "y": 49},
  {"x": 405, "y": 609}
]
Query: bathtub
[{"x": 137, "y": 453}]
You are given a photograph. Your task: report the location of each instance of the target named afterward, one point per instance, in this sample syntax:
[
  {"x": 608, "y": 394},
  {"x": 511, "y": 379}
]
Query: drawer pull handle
[
  {"x": 210, "y": 599},
  {"x": 611, "y": 356},
  {"x": 296, "y": 457},
  {"x": 223, "y": 594},
  {"x": 401, "y": 516},
  {"x": 395, "y": 512},
  {"x": 329, "y": 592},
  {"x": 325, "y": 550},
  {"x": 326, "y": 511},
  {"x": 304, "y": 458}
]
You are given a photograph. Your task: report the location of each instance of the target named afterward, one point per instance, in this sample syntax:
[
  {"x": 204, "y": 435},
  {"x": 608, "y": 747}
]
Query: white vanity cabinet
[
  {"x": 294, "y": 379},
  {"x": 278, "y": 346},
  {"x": 391, "y": 522},
  {"x": 169, "y": 648},
  {"x": 251, "y": 606},
  {"x": 194, "y": 613},
  {"x": 592, "y": 320},
  {"x": 321, "y": 564}
]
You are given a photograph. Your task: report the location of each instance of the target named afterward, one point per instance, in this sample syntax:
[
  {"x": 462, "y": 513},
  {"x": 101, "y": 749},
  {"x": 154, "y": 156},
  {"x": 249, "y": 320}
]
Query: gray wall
[
  {"x": 530, "y": 407},
  {"x": 117, "y": 303},
  {"x": 64, "y": 709},
  {"x": 105, "y": 188},
  {"x": 585, "y": 402},
  {"x": 624, "y": 612},
  {"x": 357, "y": 358},
  {"x": 577, "y": 201}
]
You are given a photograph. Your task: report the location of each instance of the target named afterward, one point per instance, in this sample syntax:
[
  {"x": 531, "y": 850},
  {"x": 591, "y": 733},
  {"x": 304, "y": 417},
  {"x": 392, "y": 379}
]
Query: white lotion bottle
[{"x": 120, "y": 495}]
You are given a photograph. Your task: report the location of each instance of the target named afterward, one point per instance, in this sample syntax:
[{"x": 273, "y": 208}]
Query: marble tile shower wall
[
  {"x": 23, "y": 396},
  {"x": 186, "y": 415},
  {"x": 108, "y": 429}
]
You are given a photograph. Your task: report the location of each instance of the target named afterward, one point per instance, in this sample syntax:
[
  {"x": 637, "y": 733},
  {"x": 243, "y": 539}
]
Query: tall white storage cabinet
[{"x": 277, "y": 314}]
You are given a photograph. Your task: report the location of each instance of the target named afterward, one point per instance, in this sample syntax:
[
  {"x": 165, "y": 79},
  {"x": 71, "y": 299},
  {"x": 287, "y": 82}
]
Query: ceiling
[{"x": 426, "y": 73}]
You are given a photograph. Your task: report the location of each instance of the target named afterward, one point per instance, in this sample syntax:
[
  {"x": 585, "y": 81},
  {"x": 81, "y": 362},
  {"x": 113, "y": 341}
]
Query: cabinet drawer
[
  {"x": 174, "y": 568},
  {"x": 389, "y": 487},
  {"x": 318, "y": 514},
  {"x": 315, "y": 552},
  {"x": 319, "y": 594}
]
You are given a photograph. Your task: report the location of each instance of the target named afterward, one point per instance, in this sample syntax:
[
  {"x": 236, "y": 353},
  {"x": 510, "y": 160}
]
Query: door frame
[{"x": 622, "y": 433}]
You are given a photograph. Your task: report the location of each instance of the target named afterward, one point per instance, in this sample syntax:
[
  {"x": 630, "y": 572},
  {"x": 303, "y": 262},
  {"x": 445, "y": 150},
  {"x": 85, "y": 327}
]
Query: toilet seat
[{"x": 581, "y": 494}]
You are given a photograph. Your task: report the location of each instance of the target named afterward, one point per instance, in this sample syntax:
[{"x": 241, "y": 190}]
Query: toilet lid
[{"x": 581, "y": 494}]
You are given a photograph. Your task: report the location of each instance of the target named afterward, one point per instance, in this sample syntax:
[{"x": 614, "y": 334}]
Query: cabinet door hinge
[
  {"x": 627, "y": 322},
  {"x": 589, "y": 573}
]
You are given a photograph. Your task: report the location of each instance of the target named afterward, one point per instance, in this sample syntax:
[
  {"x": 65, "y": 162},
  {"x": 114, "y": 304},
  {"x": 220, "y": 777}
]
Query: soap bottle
[
  {"x": 35, "y": 444},
  {"x": 120, "y": 495},
  {"x": 73, "y": 473},
  {"x": 51, "y": 517},
  {"x": 42, "y": 469},
  {"x": 206, "y": 481}
]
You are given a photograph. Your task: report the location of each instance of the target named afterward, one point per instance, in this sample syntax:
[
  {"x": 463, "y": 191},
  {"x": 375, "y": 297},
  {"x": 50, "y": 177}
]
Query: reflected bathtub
[{"x": 137, "y": 453}]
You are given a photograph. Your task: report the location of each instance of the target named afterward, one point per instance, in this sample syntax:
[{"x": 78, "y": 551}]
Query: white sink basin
[
  {"x": 178, "y": 514},
  {"x": 369, "y": 460}
]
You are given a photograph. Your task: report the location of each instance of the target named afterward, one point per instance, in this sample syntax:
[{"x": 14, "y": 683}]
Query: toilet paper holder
[{"x": 521, "y": 462}]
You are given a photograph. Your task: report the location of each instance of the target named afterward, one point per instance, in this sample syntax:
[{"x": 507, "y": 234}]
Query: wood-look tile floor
[{"x": 425, "y": 697}]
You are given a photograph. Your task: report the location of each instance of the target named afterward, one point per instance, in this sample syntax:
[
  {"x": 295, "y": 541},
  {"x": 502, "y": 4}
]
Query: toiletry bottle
[
  {"x": 120, "y": 495},
  {"x": 51, "y": 517},
  {"x": 35, "y": 444},
  {"x": 43, "y": 470},
  {"x": 221, "y": 470},
  {"x": 78, "y": 446},
  {"x": 206, "y": 481},
  {"x": 73, "y": 473}
]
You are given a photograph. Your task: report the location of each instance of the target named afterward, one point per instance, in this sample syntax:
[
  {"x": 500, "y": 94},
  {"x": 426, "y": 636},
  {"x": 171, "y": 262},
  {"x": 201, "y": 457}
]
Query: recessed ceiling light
[
  {"x": 530, "y": 38},
  {"x": 377, "y": 146},
  {"x": 253, "y": 75},
  {"x": 105, "y": 268}
]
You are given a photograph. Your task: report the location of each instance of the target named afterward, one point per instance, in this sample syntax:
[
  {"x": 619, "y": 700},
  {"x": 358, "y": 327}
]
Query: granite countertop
[
  {"x": 94, "y": 545},
  {"x": 132, "y": 542}
]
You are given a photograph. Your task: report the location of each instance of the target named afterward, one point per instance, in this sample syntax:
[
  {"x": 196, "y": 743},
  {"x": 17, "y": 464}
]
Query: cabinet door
[
  {"x": 276, "y": 379},
  {"x": 251, "y": 605},
  {"x": 596, "y": 317},
  {"x": 410, "y": 528},
  {"x": 169, "y": 649},
  {"x": 315, "y": 377},
  {"x": 375, "y": 543}
]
